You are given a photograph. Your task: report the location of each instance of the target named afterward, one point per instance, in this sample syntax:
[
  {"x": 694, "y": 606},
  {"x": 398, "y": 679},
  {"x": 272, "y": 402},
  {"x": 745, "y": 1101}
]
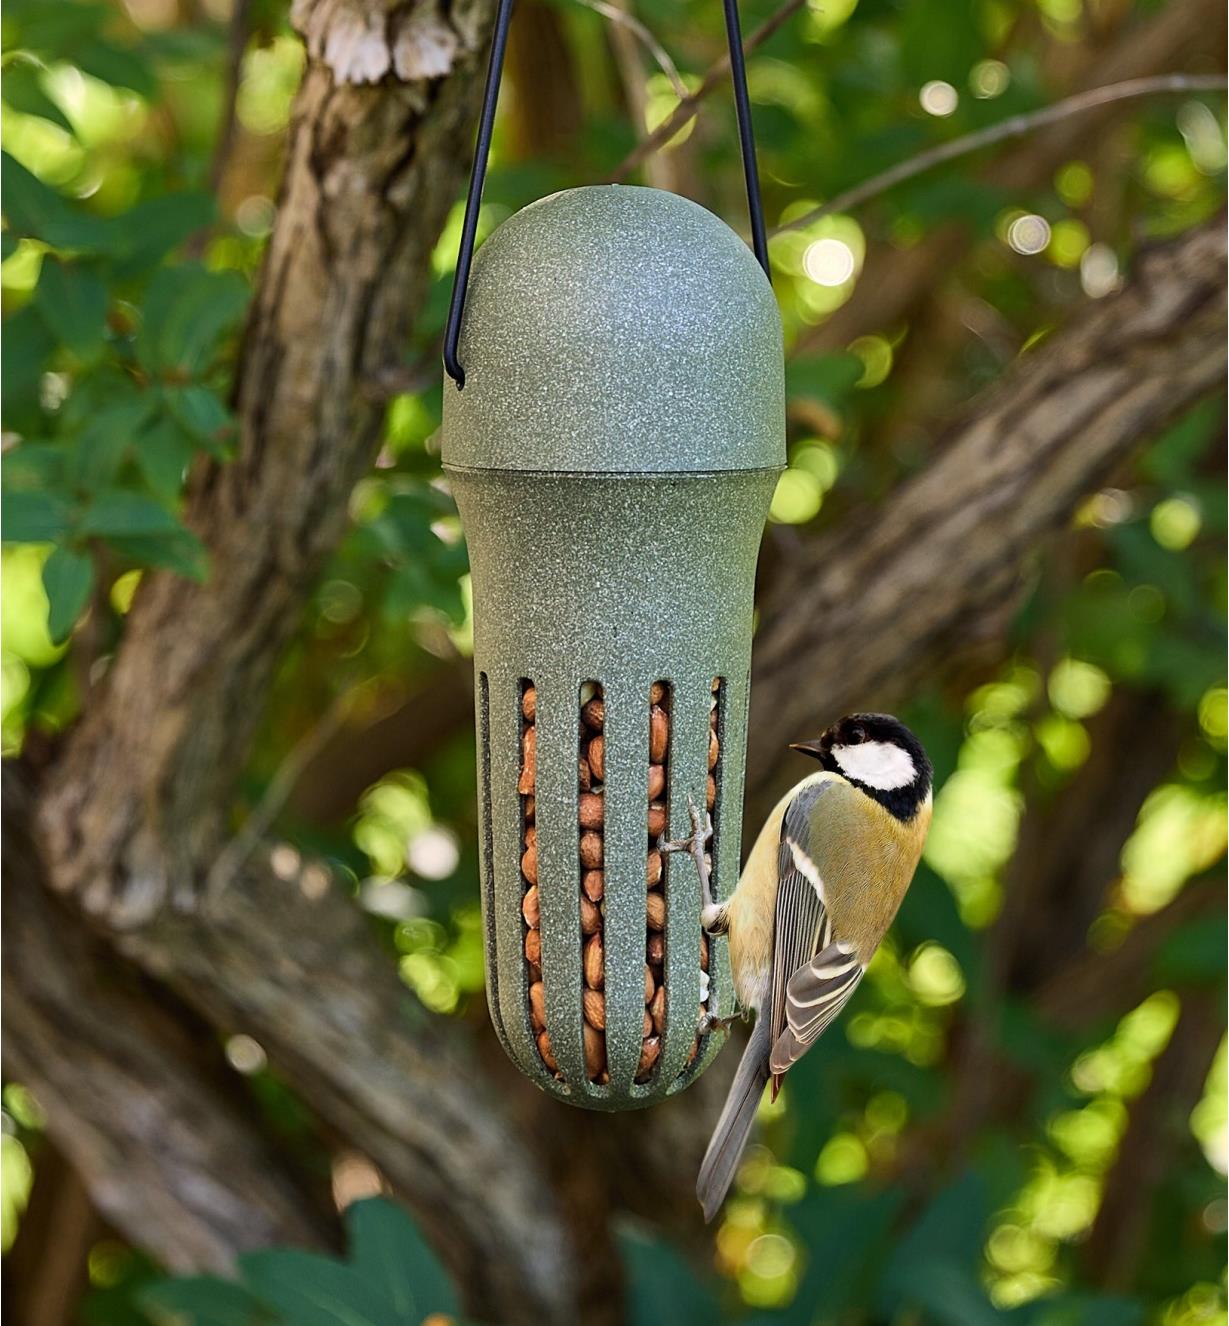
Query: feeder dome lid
[{"x": 615, "y": 329}]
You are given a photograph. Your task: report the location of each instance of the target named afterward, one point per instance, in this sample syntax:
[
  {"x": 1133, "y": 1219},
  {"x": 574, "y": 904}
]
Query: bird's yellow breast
[{"x": 866, "y": 859}]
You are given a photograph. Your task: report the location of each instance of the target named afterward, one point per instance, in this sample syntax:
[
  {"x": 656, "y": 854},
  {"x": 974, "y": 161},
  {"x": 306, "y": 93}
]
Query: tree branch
[
  {"x": 1014, "y": 127},
  {"x": 689, "y": 107},
  {"x": 169, "y": 1155},
  {"x": 895, "y": 281},
  {"x": 868, "y": 607}
]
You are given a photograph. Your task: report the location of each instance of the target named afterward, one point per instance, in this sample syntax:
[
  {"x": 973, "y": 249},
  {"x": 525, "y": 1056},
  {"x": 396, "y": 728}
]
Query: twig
[
  {"x": 236, "y": 47},
  {"x": 237, "y": 42},
  {"x": 646, "y": 38},
  {"x": 689, "y": 107},
  {"x": 231, "y": 859},
  {"x": 1014, "y": 127}
]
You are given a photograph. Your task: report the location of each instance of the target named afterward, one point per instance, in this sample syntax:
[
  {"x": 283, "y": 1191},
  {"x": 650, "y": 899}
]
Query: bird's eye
[{"x": 857, "y": 736}]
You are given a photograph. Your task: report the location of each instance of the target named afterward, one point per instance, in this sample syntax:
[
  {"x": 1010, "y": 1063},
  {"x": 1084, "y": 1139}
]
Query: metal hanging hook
[{"x": 482, "y": 152}]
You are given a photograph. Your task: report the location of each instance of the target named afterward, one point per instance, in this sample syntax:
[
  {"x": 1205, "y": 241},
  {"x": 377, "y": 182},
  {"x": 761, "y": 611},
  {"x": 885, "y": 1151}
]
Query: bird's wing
[{"x": 813, "y": 972}]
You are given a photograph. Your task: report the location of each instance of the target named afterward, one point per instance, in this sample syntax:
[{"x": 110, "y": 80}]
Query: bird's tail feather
[{"x": 730, "y": 1135}]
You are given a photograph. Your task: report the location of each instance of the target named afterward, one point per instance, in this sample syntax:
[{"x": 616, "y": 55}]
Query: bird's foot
[
  {"x": 711, "y": 1022},
  {"x": 701, "y": 833}
]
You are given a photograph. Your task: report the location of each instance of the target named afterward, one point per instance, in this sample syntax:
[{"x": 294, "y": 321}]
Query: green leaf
[
  {"x": 308, "y": 1290},
  {"x": 22, "y": 89},
  {"x": 73, "y": 303},
  {"x": 118, "y": 512},
  {"x": 163, "y": 455},
  {"x": 68, "y": 577},
  {"x": 105, "y": 440},
  {"x": 661, "y": 1286},
  {"x": 119, "y": 66},
  {"x": 847, "y": 1232},
  {"x": 24, "y": 348},
  {"x": 32, "y": 517},
  {"x": 187, "y": 310},
  {"x": 1193, "y": 955},
  {"x": 35, "y": 466},
  {"x": 202, "y": 1301},
  {"x": 387, "y": 1250},
  {"x": 201, "y": 414},
  {"x": 35, "y": 209},
  {"x": 179, "y": 551},
  {"x": 150, "y": 230},
  {"x": 55, "y": 31}
]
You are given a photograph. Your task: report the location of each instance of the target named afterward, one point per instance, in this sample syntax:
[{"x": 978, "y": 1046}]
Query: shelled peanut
[{"x": 591, "y": 771}]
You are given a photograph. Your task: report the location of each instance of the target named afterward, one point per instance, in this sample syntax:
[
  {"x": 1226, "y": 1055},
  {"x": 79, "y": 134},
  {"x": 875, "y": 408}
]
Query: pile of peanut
[{"x": 591, "y": 778}]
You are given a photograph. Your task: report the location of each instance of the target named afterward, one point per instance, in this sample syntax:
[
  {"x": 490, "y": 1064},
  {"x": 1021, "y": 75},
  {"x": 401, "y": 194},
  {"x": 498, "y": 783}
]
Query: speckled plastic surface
[
  {"x": 613, "y": 329},
  {"x": 613, "y": 468}
]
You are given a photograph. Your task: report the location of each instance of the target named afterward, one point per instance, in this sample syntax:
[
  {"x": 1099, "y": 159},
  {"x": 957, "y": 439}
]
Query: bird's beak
[{"x": 816, "y": 749}]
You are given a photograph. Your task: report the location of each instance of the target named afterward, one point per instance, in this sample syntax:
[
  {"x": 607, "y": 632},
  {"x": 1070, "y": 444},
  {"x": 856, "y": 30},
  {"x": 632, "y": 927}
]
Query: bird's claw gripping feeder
[{"x": 613, "y": 432}]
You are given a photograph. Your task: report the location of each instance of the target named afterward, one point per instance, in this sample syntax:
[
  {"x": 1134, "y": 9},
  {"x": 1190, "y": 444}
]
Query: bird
[{"x": 820, "y": 889}]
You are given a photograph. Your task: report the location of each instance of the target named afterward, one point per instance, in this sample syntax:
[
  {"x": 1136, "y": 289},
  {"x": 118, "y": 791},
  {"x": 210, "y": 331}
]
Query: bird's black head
[{"x": 877, "y": 753}]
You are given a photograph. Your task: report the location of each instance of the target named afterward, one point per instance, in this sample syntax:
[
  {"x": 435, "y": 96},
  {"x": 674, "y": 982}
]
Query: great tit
[{"x": 819, "y": 891}]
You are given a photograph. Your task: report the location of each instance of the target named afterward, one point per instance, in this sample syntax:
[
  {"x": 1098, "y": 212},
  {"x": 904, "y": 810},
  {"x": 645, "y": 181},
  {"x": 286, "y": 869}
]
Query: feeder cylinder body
[{"x": 613, "y": 454}]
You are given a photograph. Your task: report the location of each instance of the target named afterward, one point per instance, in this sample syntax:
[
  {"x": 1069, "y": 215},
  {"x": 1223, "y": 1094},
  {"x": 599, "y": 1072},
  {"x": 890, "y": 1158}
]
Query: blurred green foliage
[{"x": 125, "y": 279}]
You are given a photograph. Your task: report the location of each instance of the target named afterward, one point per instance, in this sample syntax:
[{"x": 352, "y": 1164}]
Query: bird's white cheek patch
[{"x": 879, "y": 764}]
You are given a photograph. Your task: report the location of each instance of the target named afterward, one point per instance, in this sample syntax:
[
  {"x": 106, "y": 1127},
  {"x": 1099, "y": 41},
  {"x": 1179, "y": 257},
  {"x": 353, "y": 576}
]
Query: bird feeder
[{"x": 613, "y": 451}]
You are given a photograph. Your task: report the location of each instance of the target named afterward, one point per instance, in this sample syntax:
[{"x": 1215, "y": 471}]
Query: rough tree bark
[{"x": 132, "y": 814}]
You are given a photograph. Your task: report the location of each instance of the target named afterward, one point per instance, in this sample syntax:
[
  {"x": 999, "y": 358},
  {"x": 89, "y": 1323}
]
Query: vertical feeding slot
[
  {"x": 655, "y": 899},
  {"x": 592, "y": 823},
  {"x": 716, "y": 736},
  {"x": 531, "y": 909}
]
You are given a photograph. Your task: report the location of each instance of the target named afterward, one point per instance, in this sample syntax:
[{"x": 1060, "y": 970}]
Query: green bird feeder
[{"x": 612, "y": 440}]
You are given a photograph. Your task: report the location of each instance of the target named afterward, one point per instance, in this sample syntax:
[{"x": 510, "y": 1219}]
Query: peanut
[
  {"x": 590, "y": 917},
  {"x": 595, "y": 1009},
  {"x": 585, "y": 775},
  {"x": 537, "y": 1005},
  {"x": 533, "y": 945},
  {"x": 591, "y": 850},
  {"x": 657, "y": 781},
  {"x": 595, "y": 1051},
  {"x": 544, "y": 1050},
  {"x": 657, "y": 819},
  {"x": 531, "y": 909},
  {"x": 657, "y": 692},
  {"x": 650, "y": 986},
  {"x": 592, "y": 810},
  {"x": 531, "y": 807},
  {"x": 594, "y": 714},
  {"x": 656, "y": 949},
  {"x": 597, "y": 757},
  {"x": 595, "y": 963},
  {"x": 594, "y": 884},
  {"x": 659, "y": 734},
  {"x": 529, "y": 863},
  {"x": 529, "y": 704},
  {"x": 714, "y": 750},
  {"x": 711, "y": 798},
  {"x": 657, "y": 1010},
  {"x": 529, "y": 761},
  {"x": 648, "y": 1055},
  {"x": 653, "y": 869},
  {"x": 656, "y": 906}
]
